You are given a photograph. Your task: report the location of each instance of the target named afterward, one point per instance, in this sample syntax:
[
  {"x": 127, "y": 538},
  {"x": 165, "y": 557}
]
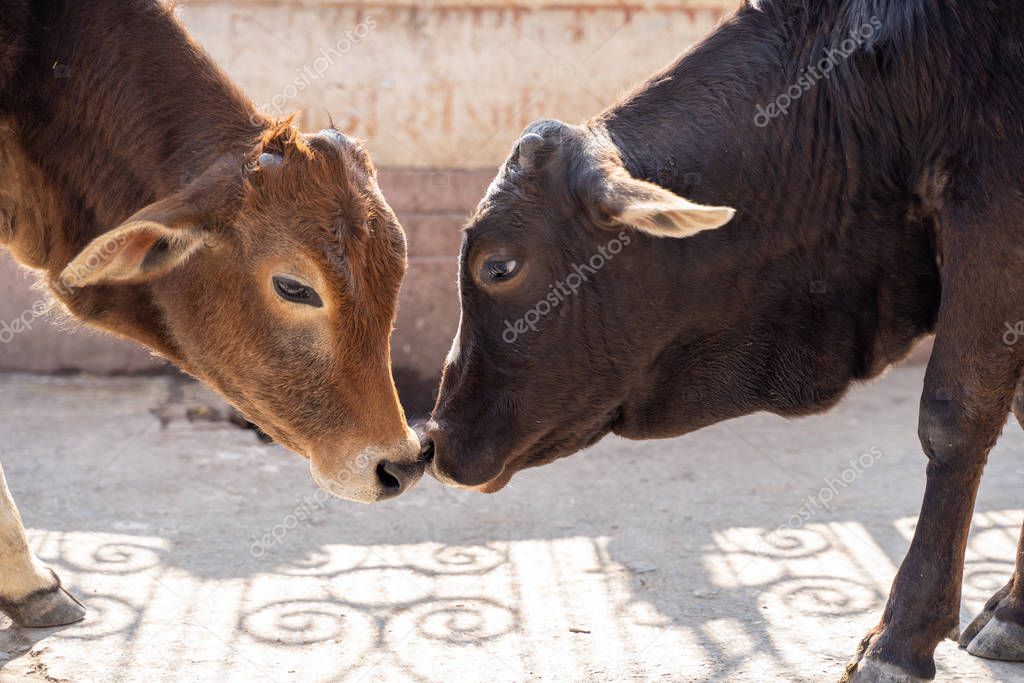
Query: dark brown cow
[
  {"x": 158, "y": 205},
  {"x": 873, "y": 152}
]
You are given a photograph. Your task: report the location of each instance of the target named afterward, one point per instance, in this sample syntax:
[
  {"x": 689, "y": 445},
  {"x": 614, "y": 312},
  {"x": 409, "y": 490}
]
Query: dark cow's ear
[
  {"x": 159, "y": 237},
  {"x": 652, "y": 209}
]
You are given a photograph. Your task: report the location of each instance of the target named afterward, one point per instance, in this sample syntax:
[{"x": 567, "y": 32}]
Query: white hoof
[{"x": 873, "y": 671}]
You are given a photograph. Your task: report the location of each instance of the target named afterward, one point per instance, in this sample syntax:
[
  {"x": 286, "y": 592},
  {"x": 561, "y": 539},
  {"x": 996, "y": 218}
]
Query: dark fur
[{"x": 886, "y": 205}]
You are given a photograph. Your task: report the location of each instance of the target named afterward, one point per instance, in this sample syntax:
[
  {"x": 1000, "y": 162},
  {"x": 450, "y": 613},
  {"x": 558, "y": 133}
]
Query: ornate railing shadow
[
  {"x": 109, "y": 557},
  {"x": 769, "y": 585},
  {"x": 379, "y": 609},
  {"x": 357, "y": 635},
  {"x": 443, "y": 559}
]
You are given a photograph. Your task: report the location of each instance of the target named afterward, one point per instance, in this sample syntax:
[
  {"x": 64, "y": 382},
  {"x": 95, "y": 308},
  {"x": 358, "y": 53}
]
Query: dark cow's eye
[
  {"x": 296, "y": 292},
  {"x": 499, "y": 270}
]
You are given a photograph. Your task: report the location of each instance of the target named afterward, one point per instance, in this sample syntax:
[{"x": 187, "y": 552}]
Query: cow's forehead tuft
[{"x": 507, "y": 185}]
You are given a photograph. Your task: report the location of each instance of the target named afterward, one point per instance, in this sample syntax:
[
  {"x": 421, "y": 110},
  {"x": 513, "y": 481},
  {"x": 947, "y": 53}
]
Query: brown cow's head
[
  {"x": 274, "y": 277},
  {"x": 555, "y": 327}
]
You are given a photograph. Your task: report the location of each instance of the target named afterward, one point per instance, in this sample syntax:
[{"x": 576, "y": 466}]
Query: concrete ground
[{"x": 751, "y": 551}]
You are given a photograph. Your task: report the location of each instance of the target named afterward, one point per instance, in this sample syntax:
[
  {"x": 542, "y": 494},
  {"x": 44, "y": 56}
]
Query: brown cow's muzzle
[{"x": 368, "y": 474}]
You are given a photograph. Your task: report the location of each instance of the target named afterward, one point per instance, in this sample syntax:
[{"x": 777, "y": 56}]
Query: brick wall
[{"x": 432, "y": 206}]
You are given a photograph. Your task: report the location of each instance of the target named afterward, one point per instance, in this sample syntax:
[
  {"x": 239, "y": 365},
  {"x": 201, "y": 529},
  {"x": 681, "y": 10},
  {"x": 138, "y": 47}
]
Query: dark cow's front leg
[
  {"x": 968, "y": 391},
  {"x": 924, "y": 601}
]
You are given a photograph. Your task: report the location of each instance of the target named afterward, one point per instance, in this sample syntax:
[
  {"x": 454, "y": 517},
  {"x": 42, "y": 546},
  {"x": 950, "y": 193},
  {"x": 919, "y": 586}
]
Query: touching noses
[
  {"x": 427, "y": 450},
  {"x": 429, "y": 435},
  {"x": 448, "y": 465}
]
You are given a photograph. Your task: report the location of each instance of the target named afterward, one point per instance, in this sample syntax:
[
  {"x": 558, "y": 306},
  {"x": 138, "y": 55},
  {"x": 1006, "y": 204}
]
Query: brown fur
[{"x": 97, "y": 128}]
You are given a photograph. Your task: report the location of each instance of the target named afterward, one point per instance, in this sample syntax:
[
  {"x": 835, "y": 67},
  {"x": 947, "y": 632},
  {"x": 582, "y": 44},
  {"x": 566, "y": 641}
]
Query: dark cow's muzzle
[{"x": 453, "y": 466}]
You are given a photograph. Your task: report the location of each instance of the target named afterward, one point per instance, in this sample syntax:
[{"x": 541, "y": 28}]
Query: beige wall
[
  {"x": 444, "y": 84},
  {"x": 439, "y": 91}
]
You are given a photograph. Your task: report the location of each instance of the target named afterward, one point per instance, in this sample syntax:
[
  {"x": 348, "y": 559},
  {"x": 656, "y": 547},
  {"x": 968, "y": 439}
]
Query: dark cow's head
[
  {"x": 555, "y": 327},
  {"x": 276, "y": 276}
]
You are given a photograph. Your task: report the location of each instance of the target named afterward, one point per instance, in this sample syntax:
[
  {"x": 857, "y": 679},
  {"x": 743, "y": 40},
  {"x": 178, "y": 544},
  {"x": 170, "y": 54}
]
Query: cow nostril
[
  {"x": 427, "y": 451},
  {"x": 389, "y": 476}
]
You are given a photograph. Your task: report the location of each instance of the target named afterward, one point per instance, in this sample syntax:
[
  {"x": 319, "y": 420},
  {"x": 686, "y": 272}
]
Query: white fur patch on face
[{"x": 456, "y": 350}]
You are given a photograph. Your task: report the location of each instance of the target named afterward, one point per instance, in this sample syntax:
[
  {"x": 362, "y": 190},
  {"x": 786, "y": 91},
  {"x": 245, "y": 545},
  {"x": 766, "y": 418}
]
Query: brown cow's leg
[
  {"x": 969, "y": 388},
  {"x": 998, "y": 632},
  {"x": 30, "y": 594}
]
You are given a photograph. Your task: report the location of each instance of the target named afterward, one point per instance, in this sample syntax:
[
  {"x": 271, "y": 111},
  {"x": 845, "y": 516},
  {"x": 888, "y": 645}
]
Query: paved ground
[{"x": 204, "y": 556}]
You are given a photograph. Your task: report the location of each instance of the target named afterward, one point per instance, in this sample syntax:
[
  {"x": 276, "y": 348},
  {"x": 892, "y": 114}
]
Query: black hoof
[{"x": 998, "y": 640}]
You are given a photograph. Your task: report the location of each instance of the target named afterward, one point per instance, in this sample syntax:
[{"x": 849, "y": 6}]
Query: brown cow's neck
[{"x": 116, "y": 107}]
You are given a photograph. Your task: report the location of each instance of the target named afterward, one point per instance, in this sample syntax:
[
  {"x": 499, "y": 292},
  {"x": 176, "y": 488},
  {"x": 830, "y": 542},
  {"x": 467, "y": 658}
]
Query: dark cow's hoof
[
  {"x": 865, "y": 667},
  {"x": 997, "y": 639},
  {"x": 46, "y": 608},
  {"x": 870, "y": 670},
  {"x": 995, "y": 633}
]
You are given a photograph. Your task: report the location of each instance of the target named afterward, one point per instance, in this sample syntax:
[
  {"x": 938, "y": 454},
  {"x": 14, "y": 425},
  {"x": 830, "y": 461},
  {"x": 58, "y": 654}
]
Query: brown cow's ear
[
  {"x": 151, "y": 243},
  {"x": 657, "y": 211},
  {"x": 163, "y": 235}
]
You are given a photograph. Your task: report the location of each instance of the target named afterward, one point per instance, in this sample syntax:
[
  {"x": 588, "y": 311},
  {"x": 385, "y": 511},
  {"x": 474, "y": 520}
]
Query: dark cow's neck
[
  {"x": 828, "y": 272},
  {"x": 110, "y": 107}
]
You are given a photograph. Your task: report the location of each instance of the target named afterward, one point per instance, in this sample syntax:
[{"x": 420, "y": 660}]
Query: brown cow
[
  {"x": 158, "y": 205},
  {"x": 780, "y": 213}
]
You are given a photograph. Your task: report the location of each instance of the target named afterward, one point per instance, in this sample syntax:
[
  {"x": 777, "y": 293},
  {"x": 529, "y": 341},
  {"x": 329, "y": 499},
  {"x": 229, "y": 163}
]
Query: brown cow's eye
[
  {"x": 296, "y": 292},
  {"x": 499, "y": 270}
]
